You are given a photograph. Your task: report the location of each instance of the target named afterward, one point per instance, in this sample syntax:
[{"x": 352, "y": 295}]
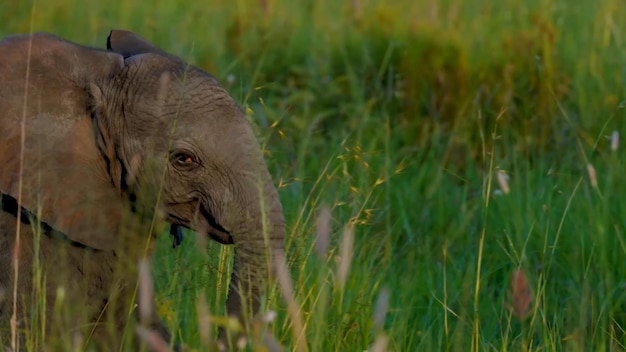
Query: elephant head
[{"x": 90, "y": 135}]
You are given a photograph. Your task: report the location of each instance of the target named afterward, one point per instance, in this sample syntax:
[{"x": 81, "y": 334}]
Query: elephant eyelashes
[{"x": 183, "y": 160}]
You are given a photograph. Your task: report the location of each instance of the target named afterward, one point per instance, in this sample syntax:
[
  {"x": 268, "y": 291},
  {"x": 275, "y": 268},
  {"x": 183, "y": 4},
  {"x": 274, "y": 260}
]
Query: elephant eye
[{"x": 182, "y": 159}]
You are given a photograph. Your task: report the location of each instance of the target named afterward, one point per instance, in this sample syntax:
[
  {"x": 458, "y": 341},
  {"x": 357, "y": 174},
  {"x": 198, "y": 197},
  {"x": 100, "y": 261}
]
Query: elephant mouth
[
  {"x": 213, "y": 229},
  {"x": 205, "y": 222}
]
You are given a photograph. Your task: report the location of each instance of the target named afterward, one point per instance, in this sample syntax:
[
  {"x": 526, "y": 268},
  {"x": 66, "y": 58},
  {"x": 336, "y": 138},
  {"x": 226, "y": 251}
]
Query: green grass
[{"x": 398, "y": 116}]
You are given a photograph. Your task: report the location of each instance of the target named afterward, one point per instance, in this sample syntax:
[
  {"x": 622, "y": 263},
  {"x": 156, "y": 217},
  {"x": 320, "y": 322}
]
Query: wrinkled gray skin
[{"x": 113, "y": 139}]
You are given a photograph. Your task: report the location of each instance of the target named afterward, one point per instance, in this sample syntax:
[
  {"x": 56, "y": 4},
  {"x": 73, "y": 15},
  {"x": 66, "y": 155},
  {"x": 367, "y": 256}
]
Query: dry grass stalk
[
  {"x": 164, "y": 82},
  {"x": 271, "y": 344},
  {"x": 18, "y": 220},
  {"x": 356, "y": 6},
  {"x": 262, "y": 338},
  {"x": 78, "y": 342},
  {"x": 16, "y": 261},
  {"x": 293, "y": 309},
  {"x": 266, "y": 7},
  {"x": 201, "y": 239}
]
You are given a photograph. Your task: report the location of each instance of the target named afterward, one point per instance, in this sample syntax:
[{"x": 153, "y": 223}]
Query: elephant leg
[
  {"x": 61, "y": 286},
  {"x": 7, "y": 243},
  {"x": 126, "y": 300}
]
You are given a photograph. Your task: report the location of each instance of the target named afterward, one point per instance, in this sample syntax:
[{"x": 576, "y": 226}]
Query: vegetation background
[{"x": 469, "y": 149}]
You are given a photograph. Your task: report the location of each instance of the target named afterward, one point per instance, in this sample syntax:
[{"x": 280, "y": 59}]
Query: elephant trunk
[{"x": 260, "y": 240}]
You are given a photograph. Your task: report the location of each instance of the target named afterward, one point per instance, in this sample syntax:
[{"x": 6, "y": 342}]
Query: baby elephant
[{"x": 99, "y": 149}]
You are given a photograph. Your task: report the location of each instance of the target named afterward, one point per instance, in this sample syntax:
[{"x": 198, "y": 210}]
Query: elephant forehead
[
  {"x": 195, "y": 104},
  {"x": 195, "y": 108},
  {"x": 220, "y": 135},
  {"x": 206, "y": 99},
  {"x": 206, "y": 115}
]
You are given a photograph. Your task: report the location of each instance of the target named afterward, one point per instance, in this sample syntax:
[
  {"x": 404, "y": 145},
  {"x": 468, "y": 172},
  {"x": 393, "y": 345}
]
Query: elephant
[{"x": 101, "y": 150}]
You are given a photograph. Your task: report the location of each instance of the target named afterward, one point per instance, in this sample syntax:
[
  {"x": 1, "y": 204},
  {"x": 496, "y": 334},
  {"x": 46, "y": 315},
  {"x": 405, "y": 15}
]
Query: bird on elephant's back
[{"x": 101, "y": 148}]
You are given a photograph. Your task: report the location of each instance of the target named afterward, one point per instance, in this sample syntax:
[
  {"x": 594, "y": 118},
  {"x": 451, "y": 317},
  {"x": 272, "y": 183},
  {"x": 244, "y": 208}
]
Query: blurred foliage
[{"x": 427, "y": 64}]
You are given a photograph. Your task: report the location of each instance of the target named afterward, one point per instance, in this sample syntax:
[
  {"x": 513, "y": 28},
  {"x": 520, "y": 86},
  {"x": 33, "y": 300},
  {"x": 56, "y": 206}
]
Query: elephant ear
[
  {"x": 128, "y": 44},
  {"x": 49, "y": 158}
]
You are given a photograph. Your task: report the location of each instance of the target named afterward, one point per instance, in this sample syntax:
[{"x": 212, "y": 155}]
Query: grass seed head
[
  {"x": 520, "y": 296},
  {"x": 145, "y": 291},
  {"x": 380, "y": 345},
  {"x": 381, "y": 308},
  {"x": 204, "y": 320},
  {"x": 323, "y": 232},
  {"x": 614, "y": 141},
  {"x": 503, "y": 181},
  {"x": 591, "y": 171},
  {"x": 345, "y": 257},
  {"x": 152, "y": 339}
]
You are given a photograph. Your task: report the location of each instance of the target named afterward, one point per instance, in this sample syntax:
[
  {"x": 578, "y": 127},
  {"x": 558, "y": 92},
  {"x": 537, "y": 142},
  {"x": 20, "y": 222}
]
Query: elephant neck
[{"x": 10, "y": 205}]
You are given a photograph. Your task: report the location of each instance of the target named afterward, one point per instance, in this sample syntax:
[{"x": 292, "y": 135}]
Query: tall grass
[{"x": 389, "y": 127}]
